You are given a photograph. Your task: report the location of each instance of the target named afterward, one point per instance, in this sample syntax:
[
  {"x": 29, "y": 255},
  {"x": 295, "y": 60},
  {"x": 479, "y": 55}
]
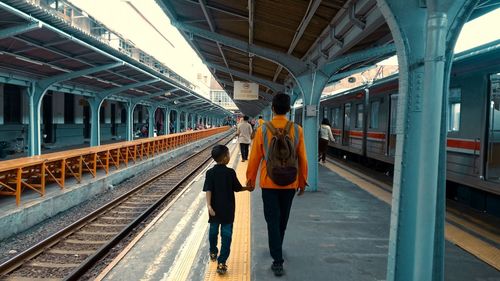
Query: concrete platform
[
  {"x": 34, "y": 209},
  {"x": 338, "y": 233}
]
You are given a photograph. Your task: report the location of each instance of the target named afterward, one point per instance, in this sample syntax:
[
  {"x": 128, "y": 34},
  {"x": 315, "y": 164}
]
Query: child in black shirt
[{"x": 220, "y": 184}]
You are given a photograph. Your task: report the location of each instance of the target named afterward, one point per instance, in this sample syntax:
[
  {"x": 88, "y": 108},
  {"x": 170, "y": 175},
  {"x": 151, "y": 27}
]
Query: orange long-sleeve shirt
[{"x": 257, "y": 155}]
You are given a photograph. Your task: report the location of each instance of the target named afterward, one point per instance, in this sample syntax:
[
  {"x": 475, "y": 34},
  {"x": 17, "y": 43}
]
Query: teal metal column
[
  {"x": 294, "y": 98},
  {"x": 167, "y": 121},
  {"x": 95, "y": 125},
  {"x": 35, "y": 95},
  {"x": 151, "y": 121},
  {"x": 267, "y": 114},
  {"x": 177, "y": 121},
  {"x": 186, "y": 121},
  {"x": 193, "y": 121},
  {"x": 312, "y": 86},
  {"x": 416, "y": 246},
  {"x": 130, "y": 121}
]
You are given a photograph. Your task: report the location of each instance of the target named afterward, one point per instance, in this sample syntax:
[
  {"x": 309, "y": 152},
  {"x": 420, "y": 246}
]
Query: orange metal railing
[{"x": 36, "y": 172}]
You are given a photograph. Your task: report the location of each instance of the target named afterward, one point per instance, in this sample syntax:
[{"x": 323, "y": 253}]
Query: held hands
[
  {"x": 250, "y": 185},
  {"x": 300, "y": 191},
  {"x": 211, "y": 211}
]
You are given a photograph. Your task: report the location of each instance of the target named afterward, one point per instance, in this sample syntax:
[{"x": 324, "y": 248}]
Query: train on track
[{"x": 363, "y": 122}]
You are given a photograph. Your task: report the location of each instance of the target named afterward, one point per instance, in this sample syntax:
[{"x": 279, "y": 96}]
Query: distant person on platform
[
  {"x": 325, "y": 135},
  {"x": 279, "y": 145},
  {"x": 260, "y": 121},
  {"x": 244, "y": 133}
]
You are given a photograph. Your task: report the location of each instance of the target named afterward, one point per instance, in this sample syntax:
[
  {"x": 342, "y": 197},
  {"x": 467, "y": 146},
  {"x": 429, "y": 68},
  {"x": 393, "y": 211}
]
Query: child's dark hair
[{"x": 218, "y": 152}]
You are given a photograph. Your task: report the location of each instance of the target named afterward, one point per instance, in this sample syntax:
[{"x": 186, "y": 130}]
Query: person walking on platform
[
  {"x": 281, "y": 174},
  {"x": 220, "y": 184},
  {"x": 260, "y": 121},
  {"x": 325, "y": 135},
  {"x": 244, "y": 133}
]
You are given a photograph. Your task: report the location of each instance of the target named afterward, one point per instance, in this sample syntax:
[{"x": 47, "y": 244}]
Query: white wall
[
  {"x": 107, "y": 113},
  {"x": 58, "y": 108},
  {"x": 79, "y": 110},
  {"x": 118, "y": 116}
]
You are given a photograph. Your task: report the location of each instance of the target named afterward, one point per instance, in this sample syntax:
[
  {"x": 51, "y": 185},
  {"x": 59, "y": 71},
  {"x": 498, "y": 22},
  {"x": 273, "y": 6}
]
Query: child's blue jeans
[{"x": 226, "y": 236}]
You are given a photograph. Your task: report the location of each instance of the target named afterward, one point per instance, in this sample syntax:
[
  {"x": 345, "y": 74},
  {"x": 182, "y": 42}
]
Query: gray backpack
[{"x": 281, "y": 154}]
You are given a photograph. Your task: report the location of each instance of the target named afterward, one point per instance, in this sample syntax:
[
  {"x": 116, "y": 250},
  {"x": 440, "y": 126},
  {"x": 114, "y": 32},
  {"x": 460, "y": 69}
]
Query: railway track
[{"x": 72, "y": 251}]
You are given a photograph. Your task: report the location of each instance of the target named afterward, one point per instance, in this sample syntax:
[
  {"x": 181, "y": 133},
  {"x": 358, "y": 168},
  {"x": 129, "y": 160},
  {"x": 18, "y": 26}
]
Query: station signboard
[{"x": 246, "y": 90}]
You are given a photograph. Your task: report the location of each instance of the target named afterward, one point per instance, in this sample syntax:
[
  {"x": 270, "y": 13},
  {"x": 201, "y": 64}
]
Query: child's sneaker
[
  {"x": 277, "y": 269},
  {"x": 222, "y": 268},
  {"x": 213, "y": 256}
]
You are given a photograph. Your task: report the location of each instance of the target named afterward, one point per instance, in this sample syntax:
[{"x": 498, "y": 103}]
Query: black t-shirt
[{"x": 222, "y": 182}]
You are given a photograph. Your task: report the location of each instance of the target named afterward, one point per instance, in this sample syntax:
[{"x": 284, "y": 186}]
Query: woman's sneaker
[
  {"x": 221, "y": 268},
  {"x": 213, "y": 256},
  {"x": 277, "y": 269}
]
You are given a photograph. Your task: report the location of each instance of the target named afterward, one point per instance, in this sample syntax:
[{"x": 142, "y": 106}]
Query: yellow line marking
[
  {"x": 184, "y": 261},
  {"x": 239, "y": 260},
  {"x": 477, "y": 247}
]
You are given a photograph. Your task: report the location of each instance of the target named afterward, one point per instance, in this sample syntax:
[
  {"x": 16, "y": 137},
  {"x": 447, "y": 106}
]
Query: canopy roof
[
  {"x": 226, "y": 34},
  {"x": 43, "y": 47}
]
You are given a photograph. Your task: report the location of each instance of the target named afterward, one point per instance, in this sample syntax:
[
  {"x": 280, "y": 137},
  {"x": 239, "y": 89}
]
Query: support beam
[
  {"x": 157, "y": 94},
  {"x": 332, "y": 67},
  {"x": 151, "y": 120},
  {"x": 130, "y": 120},
  {"x": 114, "y": 91},
  {"x": 95, "y": 123},
  {"x": 416, "y": 234},
  {"x": 167, "y": 121},
  {"x": 275, "y": 87},
  {"x": 211, "y": 24},
  {"x": 35, "y": 95},
  {"x": 46, "y": 82},
  {"x": 177, "y": 121},
  {"x": 19, "y": 29},
  {"x": 291, "y": 63}
]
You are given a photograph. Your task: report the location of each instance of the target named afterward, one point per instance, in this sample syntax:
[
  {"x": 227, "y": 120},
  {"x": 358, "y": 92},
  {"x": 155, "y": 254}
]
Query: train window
[
  {"x": 336, "y": 117},
  {"x": 454, "y": 104},
  {"x": 375, "y": 105},
  {"x": 359, "y": 115},
  {"x": 347, "y": 116},
  {"x": 12, "y": 104}
]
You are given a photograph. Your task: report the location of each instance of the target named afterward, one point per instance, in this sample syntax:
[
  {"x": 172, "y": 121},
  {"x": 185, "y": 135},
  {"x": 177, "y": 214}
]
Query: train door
[
  {"x": 393, "y": 117},
  {"x": 86, "y": 121},
  {"x": 48, "y": 120},
  {"x": 493, "y": 156},
  {"x": 113, "y": 119},
  {"x": 347, "y": 124}
]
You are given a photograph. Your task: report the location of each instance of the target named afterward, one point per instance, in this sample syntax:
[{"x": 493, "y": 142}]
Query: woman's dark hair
[
  {"x": 281, "y": 104},
  {"x": 246, "y": 118},
  {"x": 218, "y": 152},
  {"x": 325, "y": 122}
]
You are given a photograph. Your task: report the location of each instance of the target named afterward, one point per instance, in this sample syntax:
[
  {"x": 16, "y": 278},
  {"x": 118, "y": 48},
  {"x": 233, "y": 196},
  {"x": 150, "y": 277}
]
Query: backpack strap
[
  {"x": 265, "y": 144},
  {"x": 296, "y": 134},
  {"x": 287, "y": 128},
  {"x": 271, "y": 128}
]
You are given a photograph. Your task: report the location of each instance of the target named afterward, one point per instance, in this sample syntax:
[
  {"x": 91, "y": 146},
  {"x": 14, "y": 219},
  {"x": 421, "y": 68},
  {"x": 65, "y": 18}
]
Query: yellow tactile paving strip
[
  {"x": 238, "y": 263},
  {"x": 477, "y": 247}
]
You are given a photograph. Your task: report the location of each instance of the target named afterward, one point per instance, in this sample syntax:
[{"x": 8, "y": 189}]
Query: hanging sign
[{"x": 246, "y": 91}]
